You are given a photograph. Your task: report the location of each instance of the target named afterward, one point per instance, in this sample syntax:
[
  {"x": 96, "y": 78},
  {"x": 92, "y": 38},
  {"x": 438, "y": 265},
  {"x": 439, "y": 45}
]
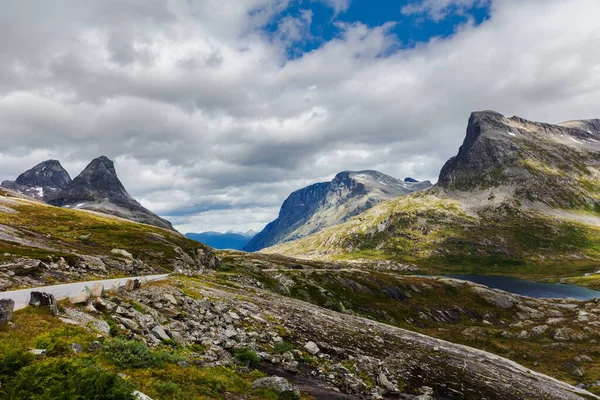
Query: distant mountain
[
  {"x": 321, "y": 205},
  {"x": 42, "y": 182},
  {"x": 519, "y": 195},
  {"x": 229, "y": 240},
  {"x": 97, "y": 188}
]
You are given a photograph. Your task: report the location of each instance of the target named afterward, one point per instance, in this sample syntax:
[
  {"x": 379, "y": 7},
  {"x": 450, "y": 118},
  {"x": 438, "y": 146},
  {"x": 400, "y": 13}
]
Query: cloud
[
  {"x": 338, "y": 6},
  {"x": 440, "y": 9},
  {"x": 212, "y": 125}
]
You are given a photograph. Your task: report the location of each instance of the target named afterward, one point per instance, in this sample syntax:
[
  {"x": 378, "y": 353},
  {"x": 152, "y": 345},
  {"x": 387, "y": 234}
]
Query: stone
[
  {"x": 578, "y": 371},
  {"x": 284, "y": 389},
  {"x": 160, "y": 333},
  {"x": 76, "y": 347},
  {"x": 97, "y": 290},
  {"x": 82, "y": 297},
  {"x": 140, "y": 396},
  {"x": 385, "y": 383},
  {"x": 539, "y": 330},
  {"x": 7, "y": 306},
  {"x": 583, "y": 358},
  {"x": 102, "y": 305},
  {"x": 170, "y": 312},
  {"x": 132, "y": 284},
  {"x": 94, "y": 346},
  {"x": 566, "y": 335},
  {"x": 40, "y": 299},
  {"x": 122, "y": 253},
  {"x": 312, "y": 348},
  {"x": 497, "y": 298},
  {"x": 37, "y": 352},
  {"x": 171, "y": 299}
]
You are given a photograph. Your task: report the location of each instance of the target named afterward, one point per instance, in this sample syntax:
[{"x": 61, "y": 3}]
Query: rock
[
  {"x": 160, "y": 333},
  {"x": 40, "y": 299},
  {"x": 122, "y": 253},
  {"x": 82, "y": 297},
  {"x": 566, "y": 335},
  {"x": 384, "y": 382},
  {"x": 171, "y": 299},
  {"x": 76, "y": 347},
  {"x": 97, "y": 290},
  {"x": 583, "y": 358},
  {"x": 312, "y": 348},
  {"x": 578, "y": 371},
  {"x": 284, "y": 389},
  {"x": 497, "y": 298},
  {"x": 103, "y": 306},
  {"x": 7, "y": 306},
  {"x": 37, "y": 352},
  {"x": 170, "y": 312},
  {"x": 132, "y": 284},
  {"x": 539, "y": 330},
  {"x": 94, "y": 346},
  {"x": 140, "y": 396}
]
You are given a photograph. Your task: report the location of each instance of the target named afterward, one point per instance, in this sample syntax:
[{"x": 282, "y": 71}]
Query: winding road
[{"x": 21, "y": 297}]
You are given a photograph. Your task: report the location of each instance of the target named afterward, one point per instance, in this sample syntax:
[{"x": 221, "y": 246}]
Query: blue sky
[{"x": 410, "y": 28}]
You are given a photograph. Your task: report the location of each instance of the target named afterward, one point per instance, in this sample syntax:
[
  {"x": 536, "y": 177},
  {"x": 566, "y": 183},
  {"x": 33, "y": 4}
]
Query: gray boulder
[
  {"x": 41, "y": 299},
  {"x": 7, "y": 306},
  {"x": 284, "y": 389}
]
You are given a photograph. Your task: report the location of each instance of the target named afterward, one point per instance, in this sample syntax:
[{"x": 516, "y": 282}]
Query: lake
[{"x": 530, "y": 288}]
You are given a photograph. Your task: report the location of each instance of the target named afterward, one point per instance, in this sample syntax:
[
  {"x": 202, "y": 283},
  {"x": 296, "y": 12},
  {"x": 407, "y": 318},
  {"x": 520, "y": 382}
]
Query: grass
[{"x": 62, "y": 374}]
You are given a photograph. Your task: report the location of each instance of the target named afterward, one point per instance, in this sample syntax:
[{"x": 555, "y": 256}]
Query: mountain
[
  {"x": 42, "y": 181},
  {"x": 229, "y": 240},
  {"x": 325, "y": 204},
  {"x": 97, "y": 188},
  {"x": 519, "y": 197}
]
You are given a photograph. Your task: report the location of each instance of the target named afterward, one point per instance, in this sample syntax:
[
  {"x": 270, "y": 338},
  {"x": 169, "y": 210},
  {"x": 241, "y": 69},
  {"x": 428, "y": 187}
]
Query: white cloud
[
  {"x": 439, "y": 9},
  {"x": 206, "y": 117}
]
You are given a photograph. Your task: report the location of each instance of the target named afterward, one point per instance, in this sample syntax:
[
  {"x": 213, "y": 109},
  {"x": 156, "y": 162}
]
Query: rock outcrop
[{"x": 321, "y": 205}]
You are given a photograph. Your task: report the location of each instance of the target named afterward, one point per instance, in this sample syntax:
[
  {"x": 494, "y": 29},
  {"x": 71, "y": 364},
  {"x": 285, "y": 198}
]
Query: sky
[{"x": 215, "y": 110}]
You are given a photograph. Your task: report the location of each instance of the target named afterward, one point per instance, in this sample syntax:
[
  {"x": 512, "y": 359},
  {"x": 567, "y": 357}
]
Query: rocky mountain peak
[
  {"x": 324, "y": 204},
  {"x": 100, "y": 179},
  {"x": 42, "y": 181}
]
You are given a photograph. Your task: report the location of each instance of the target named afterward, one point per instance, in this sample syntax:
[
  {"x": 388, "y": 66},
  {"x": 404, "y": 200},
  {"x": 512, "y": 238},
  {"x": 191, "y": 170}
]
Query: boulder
[
  {"x": 312, "y": 348},
  {"x": 122, "y": 253},
  {"x": 40, "y": 299},
  {"x": 97, "y": 290},
  {"x": 385, "y": 383},
  {"x": 284, "y": 389},
  {"x": 160, "y": 333},
  {"x": 132, "y": 284},
  {"x": 82, "y": 297},
  {"x": 497, "y": 298},
  {"x": 7, "y": 306}
]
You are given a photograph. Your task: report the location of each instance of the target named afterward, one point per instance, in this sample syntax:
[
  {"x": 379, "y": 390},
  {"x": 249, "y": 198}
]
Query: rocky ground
[{"x": 327, "y": 353}]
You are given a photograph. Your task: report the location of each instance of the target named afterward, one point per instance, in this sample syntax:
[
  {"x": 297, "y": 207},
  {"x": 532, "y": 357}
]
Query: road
[{"x": 21, "y": 297}]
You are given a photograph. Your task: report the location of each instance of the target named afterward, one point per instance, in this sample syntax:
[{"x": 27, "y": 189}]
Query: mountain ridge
[
  {"x": 324, "y": 204},
  {"x": 96, "y": 188}
]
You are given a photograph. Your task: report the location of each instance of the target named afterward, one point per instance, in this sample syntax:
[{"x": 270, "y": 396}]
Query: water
[{"x": 531, "y": 288}]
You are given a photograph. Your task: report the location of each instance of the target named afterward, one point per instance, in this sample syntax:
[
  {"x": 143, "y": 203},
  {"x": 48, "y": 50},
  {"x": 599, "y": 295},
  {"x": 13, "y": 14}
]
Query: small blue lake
[{"x": 530, "y": 288}]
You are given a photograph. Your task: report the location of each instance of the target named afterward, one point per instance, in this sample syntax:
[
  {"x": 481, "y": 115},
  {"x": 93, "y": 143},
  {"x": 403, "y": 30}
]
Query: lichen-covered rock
[
  {"x": 284, "y": 389},
  {"x": 7, "y": 307}
]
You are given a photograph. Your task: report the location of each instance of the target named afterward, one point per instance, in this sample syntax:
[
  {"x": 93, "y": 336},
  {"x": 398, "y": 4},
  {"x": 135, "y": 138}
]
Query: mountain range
[
  {"x": 326, "y": 204},
  {"x": 228, "y": 240},
  {"x": 96, "y": 188},
  {"x": 519, "y": 196}
]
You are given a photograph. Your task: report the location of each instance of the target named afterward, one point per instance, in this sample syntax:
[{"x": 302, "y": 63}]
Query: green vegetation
[
  {"x": 62, "y": 374},
  {"x": 65, "y": 230},
  {"x": 248, "y": 357}
]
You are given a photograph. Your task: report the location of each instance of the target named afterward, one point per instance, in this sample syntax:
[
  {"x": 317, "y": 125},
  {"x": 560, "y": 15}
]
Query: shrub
[
  {"x": 69, "y": 380},
  {"x": 248, "y": 357},
  {"x": 131, "y": 354},
  {"x": 167, "y": 389},
  {"x": 58, "y": 341},
  {"x": 282, "y": 347}
]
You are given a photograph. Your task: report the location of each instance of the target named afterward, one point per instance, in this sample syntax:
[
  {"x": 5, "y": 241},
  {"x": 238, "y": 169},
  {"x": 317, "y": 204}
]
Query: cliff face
[{"x": 321, "y": 205}]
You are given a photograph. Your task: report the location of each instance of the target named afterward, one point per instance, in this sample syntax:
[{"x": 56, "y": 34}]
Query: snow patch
[
  {"x": 511, "y": 134},
  {"x": 575, "y": 140},
  {"x": 39, "y": 190}
]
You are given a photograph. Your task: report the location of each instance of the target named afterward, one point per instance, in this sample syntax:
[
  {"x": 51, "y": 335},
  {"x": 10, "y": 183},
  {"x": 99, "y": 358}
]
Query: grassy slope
[
  {"x": 52, "y": 232},
  {"x": 438, "y": 235}
]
